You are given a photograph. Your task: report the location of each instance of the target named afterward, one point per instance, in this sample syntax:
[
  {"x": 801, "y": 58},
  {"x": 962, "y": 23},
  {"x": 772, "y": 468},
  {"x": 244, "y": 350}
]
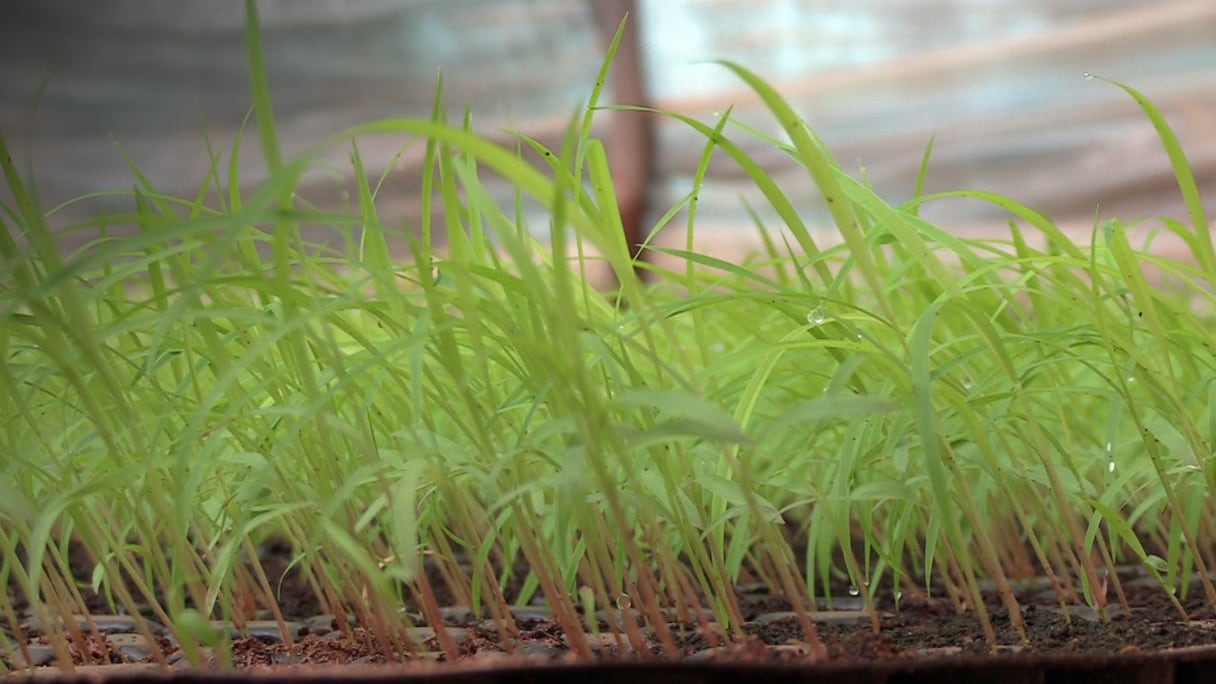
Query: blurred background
[{"x": 998, "y": 83}]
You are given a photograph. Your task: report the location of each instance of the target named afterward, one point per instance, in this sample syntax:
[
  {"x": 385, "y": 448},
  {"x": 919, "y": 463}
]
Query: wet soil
[{"x": 920, "y": 631}]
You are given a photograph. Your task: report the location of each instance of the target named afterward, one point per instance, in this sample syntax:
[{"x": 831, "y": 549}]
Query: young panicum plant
[{"x": 899, "y": 409}]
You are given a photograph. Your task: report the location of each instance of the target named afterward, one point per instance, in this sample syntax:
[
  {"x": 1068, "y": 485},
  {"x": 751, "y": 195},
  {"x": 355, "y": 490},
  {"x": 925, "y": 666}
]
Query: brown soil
[{"x": 920, "y": 632}]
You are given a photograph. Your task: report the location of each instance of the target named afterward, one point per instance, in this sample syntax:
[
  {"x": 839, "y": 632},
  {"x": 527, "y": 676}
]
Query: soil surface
[{"x": 921, "y": 631}]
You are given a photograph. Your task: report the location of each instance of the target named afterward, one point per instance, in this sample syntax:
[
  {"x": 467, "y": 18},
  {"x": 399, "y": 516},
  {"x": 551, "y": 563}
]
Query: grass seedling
[{"x": 897, "y": 408}]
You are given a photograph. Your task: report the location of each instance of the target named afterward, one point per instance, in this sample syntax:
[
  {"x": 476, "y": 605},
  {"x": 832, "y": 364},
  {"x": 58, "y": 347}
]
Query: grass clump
[{"x": 903, "y": 410}]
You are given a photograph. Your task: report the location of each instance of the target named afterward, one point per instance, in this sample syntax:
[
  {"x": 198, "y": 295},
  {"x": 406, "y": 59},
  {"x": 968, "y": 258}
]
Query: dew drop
[
  {"x": 816, "y": 316},
  {"x": 854, "y": 591},
  {"x": 1130, "y": 380},
  {"x": 1110, "y": 467},
  {"x": 1110, "y": 448},
  {"x": 1089, "y": 76},
  {"x": 623, "y": 602}
]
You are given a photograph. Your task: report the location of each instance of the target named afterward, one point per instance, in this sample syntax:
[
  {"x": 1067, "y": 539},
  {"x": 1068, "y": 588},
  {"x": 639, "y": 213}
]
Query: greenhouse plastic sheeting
[{"x": 999, "y": 83}]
